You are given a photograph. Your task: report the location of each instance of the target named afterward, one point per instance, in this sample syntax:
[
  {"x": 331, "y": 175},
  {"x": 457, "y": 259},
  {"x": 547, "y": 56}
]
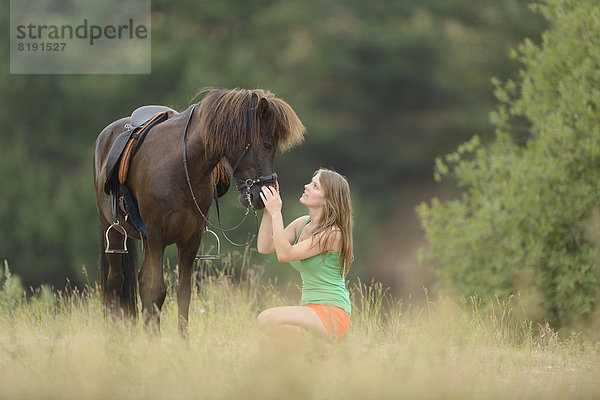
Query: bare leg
[
  {"x": 278, "y": 321},
  {"x": 289, "y": 324}
]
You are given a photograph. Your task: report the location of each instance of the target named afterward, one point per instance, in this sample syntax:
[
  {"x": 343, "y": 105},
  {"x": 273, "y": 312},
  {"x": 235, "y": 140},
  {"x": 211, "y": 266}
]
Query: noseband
[{"x": 248, "y": 183}]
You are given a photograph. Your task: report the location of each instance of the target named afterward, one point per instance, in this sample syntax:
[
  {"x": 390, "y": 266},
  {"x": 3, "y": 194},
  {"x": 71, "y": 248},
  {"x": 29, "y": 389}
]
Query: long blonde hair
[{"x": 337, "y": 214}]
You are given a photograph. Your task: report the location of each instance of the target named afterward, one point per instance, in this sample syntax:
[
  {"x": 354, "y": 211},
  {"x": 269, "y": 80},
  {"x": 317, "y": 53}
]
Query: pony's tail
[
  {"x": 102, "y": 268},
  {"x": 130, "y": 284},
  {"x": 128, "y": 297}
]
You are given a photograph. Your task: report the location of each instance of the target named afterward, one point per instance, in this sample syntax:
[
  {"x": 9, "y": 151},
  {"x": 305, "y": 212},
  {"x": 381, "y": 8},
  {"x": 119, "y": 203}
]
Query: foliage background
[
  {"x": 528, "y": 218},
  {"x": 383, "y": 87}
]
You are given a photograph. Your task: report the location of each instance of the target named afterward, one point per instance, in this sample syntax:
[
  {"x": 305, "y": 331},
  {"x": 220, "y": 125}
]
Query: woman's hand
[{"x": 271, "y": 199}]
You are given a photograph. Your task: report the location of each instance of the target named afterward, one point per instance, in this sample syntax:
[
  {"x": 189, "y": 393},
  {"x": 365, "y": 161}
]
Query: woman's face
[{"x": 313, "y": 195}]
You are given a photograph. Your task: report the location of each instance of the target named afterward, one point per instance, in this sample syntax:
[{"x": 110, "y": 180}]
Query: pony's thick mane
[
  {"x": 230, "y": 118},
  {"x": 220, "y": 174}
]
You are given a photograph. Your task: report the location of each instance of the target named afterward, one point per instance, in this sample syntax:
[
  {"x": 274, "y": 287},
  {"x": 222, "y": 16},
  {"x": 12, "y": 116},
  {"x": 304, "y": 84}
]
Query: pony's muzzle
[
  {"x": 250, "y": 190},
  {"x": 251, "y": 200}
]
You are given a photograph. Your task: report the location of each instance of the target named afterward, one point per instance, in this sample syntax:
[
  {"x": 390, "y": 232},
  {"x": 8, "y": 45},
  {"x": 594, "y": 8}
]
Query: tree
[
  {"x": 381, "y": 86},
  {"x": 529, "y": 216}
]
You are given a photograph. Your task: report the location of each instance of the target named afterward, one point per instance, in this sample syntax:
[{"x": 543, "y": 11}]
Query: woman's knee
[{"x": 265, "y": 319}]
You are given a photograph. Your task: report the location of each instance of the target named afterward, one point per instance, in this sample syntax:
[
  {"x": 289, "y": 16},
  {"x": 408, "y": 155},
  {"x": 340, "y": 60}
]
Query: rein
[{"x": 241, "y": 184}]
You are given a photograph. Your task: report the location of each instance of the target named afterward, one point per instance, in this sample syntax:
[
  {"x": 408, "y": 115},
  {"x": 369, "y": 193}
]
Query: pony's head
[{"x": 246, "y": 127}]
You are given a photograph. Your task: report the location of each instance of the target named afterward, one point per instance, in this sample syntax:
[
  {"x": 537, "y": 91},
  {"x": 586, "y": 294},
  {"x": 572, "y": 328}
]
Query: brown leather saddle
[
  {"x": 119, "y": 158},
  {"x": 127, "y": 143}
]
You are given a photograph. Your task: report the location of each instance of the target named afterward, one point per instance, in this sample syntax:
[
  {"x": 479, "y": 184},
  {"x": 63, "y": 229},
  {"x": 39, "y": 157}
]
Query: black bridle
[
  {"x": 248, "y": 183},
  {"x": 241, "y": 185}
]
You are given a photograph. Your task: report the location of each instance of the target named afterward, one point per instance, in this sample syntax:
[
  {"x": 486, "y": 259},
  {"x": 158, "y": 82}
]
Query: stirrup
[
  {"x": 117, "y": 227},
  {"x": 210, "y": 256}
]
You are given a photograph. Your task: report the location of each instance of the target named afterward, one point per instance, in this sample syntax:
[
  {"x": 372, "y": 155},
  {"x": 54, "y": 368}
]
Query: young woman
[{"x": 319, "y": 246}]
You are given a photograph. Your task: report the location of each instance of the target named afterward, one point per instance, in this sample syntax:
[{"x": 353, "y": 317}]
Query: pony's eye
[{"x": 268, "y": 146}]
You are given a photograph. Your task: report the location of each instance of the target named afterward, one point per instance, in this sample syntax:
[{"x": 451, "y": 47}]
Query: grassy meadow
[{"x": 60, "y": 346}]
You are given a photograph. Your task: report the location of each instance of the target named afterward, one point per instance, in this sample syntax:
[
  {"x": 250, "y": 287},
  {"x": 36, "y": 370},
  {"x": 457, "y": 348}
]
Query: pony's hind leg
[
  {"x": 114, "y": 284},
  {"x": 152, "y": 285},
  {"x": 109, "y": 273},
  {"x": 118, "y": 281},
  {"x": 186, "y": 255}
]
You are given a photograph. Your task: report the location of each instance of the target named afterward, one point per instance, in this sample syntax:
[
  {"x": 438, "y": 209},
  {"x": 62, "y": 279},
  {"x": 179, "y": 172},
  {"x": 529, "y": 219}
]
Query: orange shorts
[{"x": 335, "y": 319}]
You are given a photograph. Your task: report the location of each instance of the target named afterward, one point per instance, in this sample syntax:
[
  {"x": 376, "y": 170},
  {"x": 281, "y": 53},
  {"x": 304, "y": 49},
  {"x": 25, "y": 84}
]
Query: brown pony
[{"x": 241, "y": 128}]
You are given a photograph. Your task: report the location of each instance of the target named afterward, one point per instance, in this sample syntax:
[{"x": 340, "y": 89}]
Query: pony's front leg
[
  {"x": 186, "y": 255},
  {"x": 152, "y": 285}
]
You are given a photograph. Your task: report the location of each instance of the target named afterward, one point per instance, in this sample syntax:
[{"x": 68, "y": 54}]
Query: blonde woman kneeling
[{"x": 319, "y": 246}]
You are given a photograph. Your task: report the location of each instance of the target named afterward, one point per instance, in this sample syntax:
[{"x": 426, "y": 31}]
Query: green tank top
[{"x": 321, "y": 280}]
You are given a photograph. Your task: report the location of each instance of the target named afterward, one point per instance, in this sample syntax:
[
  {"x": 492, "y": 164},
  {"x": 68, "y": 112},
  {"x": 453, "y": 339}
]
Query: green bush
[{"x": 529, "y": 214}]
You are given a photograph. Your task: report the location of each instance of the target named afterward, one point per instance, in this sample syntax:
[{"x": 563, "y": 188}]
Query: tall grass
[{"x": 59, "y": 345}]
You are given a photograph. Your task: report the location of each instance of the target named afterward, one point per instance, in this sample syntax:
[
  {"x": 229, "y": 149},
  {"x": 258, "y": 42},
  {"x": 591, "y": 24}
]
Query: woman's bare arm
[{"x": 264, "y": 242}]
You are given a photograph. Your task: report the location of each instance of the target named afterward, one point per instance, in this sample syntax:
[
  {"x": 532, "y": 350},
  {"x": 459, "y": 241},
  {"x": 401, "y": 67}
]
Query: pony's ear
[{"x": 263, "y": 106}]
